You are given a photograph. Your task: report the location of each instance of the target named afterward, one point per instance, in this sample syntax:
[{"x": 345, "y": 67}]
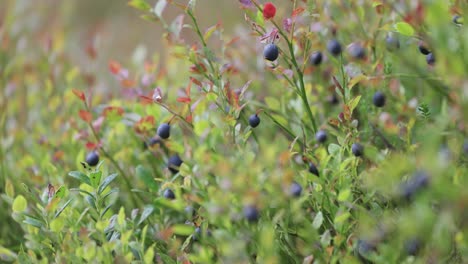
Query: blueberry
[
  {"x": 254, "y": 120},
  {"x": 465, "y": 147},
  {"x": 174, "y": 163},
  {"x": 321, "y": 136},
  {"x": 333, "y": 99},
  {"x": 251, "y": 213},
  {"x": 430, "y": 58},
  {"x": 313, "y": 169},
  {"x": 423, "y": 48},
  {"x": 164, "y": 131},
  {"x": 417, "y": 182},
  {"x": 357, "y": 51},
  {"x": 197, "y": 234},
  {"x": 153, "y": 141},
  {"x": 458, "y": 20},
  {"x": 413, "y": 246},
  {"x": 295, "y": 189},
  {"x": 316, "y": 58},
  {"x": 169, "y": 194},
  {"x": 334, "y": 47},
  {"x": 270, "y": 52},
  {"x": 363, "y": 249},
  {"x": 392, "y": 43},
  {"x": 379, "y": 99},
  {"x": 357, "y": 149},
  {"x": 92, "y": 158},
  {"x": 190, "y": 211}
]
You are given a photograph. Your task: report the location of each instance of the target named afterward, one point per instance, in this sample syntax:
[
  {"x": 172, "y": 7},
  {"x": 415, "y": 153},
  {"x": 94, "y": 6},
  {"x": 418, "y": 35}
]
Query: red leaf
[
  {"x": 189, "y": 118},
  {"x": 195, "y": 81},
  {"x": 91, "y": 145},
  {"x": 183, "y": 99},
  {"x": 114, "y": 67},
  {"x": 145, "y": 100},
  {"x": 113, "y": 109},
  {"x": 127, "y": 83},
  {"x": 297, "y": 11},
  {"x": 85, "y": 116},
  {"x": 79, "y": 94}
]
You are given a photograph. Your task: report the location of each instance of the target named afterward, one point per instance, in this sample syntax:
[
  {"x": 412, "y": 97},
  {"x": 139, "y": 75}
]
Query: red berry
[{"x": 269, "y": 10}]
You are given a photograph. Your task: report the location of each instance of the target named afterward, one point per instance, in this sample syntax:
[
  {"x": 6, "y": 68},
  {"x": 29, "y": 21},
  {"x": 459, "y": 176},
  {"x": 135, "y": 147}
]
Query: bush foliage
[{"x": 347, "y": 146}]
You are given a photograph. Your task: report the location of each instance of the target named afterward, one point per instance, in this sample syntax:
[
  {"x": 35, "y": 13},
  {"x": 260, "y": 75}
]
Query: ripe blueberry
[
  {"x": 92, "y": 158},
  {"x": 423, "y": 48},
  {"x": 417, "y": 182},
  {"x": 169, "y": 194},
  {"x": 197, "y": 234},
  {"x": 458, "y": 20},
  {"x": 430, "y": 58},
  {"x": 251, "y": 213},
  {"x": 295, "y": 189},
  {"x": 357, "y": 51},
  {"x": 363, "y": 249},
  {"x": 313, "y": 169},
  {"x": 164, "y": 131},
  {"x": 412, "y": 246},
  {"x": 379, "y": 99},
  {"x": 254, "y": 120},
  {"x": 316, "y": 58},
  {"x": 465, "y": 147},
  {"x": 357, "y": 149},
  {"x": 321, "y": 136},
  {"x": 392, "y": 43},
  {"x": 334, "y": 47},
  {"x": 333, "y": 99},
  {"x": 270, "y": 52},
  {"x": 174, "y": 163}
]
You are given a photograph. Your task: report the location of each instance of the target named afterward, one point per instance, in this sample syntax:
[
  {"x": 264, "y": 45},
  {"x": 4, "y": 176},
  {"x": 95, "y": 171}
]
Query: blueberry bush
[{"x": 314, "y": 132}]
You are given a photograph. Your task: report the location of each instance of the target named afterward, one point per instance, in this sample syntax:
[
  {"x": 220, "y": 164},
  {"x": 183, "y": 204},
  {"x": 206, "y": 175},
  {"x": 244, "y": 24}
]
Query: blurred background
[{"x": 110, "y": 27}]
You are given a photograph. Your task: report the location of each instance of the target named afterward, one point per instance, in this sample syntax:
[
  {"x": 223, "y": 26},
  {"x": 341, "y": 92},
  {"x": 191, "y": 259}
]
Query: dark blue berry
[
  {"x": 164, "y": 131},
  {"x": 458, "y": 20},
  {"x": 412, "y": 186},
  {"x": 321, "y": 136},
  {"x": 254, "y": 120},
  {"x": 174, "y": 163},
  {"x": 270, "y": 52},
  {"x": 465, "y": 147},
  {"x": 316, "y": 58},
  {"x": 169, "y": 194},
  {"x": 430, "y": 58},
  {"x": 197, "y": 234},
  {"x": 357, "y": 51},
  {"x": 423, "y": 48},
  {"x": 334, "y": 47},
  {"x": 92, "y": 158},
  {"x": 392, "y": 43},
  {"x": 295, "y": 189},
  {"x": 357, "y": 149},
  {"x": 251, "y": 213},
  {"x": 379, "y": 99},
  {"x": 363, "y": 249},
  {"x": 413, "y": 246},
  {"x": 313, "y": 169},
  {"x": 333, "y": 99}
]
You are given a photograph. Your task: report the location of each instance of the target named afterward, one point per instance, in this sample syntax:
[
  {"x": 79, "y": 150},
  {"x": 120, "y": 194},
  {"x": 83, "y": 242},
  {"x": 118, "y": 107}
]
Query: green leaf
[
  {"x": 353, "y": 103},
  {"x": 145, "y": 176},
  {"x": 60, "y": 210},
  {"x": 61, "y": 192},
  {"x": 404, "y": 29},
  {"x": 57, "y": 225},
  {"x": 318, "y": 220},
  {"x": 344, "y": 195},
  {"x": 342, "y": 217},
  {"x": 183, "y": 230},
  {"x": 80, "y": 176},
  {"x": 166, "y": 259},
  {"x": 19, "y": 204},
  {"x": 146, "y": 213},
  {"x": 33, "y": 221},
  {"x": 106, "y": 182},
  {"x": 334, "y": 149},
  {"x": 95, "y": 178},
  {"x": 273, "y": 103},
  {"x": 149, "y": 255},
  {"x": 140, "y": 5},
  {"x": 7, "y": 255}
]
